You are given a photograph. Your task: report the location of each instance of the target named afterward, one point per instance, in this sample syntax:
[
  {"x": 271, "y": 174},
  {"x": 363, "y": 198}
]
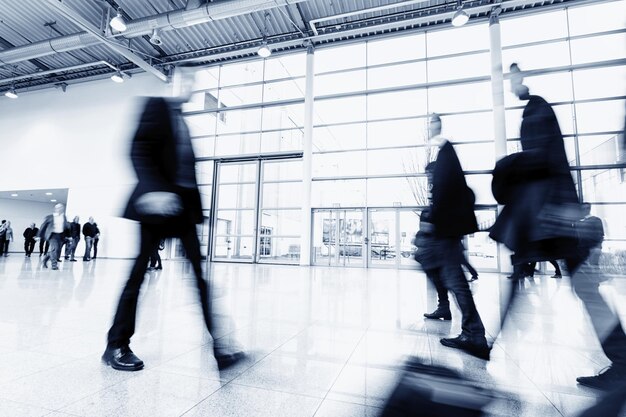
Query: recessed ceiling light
[
  {"x": 13, "y": 195},
  {"x": 48, "y": 193},
  {"x": 53, "y": 201}
]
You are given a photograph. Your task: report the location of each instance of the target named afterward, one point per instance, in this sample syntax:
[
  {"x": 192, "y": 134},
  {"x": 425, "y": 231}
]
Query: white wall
[
  {"x": 21, "y": 214},
  {"x": 78, "y": 140}
]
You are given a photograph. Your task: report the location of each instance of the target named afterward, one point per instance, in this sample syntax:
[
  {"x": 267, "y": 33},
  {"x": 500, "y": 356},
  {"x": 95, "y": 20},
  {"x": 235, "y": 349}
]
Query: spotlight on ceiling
[
  {"x": 118, "y": 23},
  {"x": 264, "y": 51},
  {"x": 460, "y": 17},
  {"x": 11, "y": 93},
  {"x": 117, "y": 77},
  {"x": 155, "y": 39}
]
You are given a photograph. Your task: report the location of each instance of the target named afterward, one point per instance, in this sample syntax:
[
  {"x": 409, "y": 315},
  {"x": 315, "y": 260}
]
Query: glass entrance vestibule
[
  {"x": 254, "y": 209},
  {"x": 382, "y": 237}
]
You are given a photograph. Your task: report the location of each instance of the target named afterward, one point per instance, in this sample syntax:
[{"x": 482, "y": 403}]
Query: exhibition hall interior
[{"x": 329, "y": 208}]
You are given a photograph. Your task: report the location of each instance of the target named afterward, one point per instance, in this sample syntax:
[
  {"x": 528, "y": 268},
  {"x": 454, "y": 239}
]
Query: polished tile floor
[{"x": 321, "y": 341}]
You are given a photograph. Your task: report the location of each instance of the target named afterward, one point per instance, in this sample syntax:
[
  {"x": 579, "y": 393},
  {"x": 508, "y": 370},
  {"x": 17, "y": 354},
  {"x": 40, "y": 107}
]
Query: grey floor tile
[
  {"x": 331, "y": 408},
  {"x": 292, "y": 374},
  {"x": 60, "y": 386},
  {"x": 13, "y": 409},
  {"x": 150, "y": 393},
  {"x": 364, "y": 385},
  {"x": 236, "y": 401}
]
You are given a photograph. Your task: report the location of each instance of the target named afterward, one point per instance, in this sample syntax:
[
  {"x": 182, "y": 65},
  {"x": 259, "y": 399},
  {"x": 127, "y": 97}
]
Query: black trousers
[
  {"x": 451, "y": 278},
  {"x": 29, "y": 246},
  {"x": 2, "y": 240},
  {"x": 95, "y": 247},
  {"x": 123, "y": 326},
  {"x": 43, "y": 244}
]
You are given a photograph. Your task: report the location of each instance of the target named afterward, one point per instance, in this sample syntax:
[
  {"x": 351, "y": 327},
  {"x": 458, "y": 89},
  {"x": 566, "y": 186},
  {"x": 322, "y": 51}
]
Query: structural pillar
[
  {"x": 497, "y": 83},
  {"x": 307, "y": 148},
  {"x": 499, "y": 118}
]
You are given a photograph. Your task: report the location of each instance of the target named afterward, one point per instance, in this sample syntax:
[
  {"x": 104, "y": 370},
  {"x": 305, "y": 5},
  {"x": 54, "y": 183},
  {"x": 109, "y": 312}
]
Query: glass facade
[{"x": 372, "y": 99}]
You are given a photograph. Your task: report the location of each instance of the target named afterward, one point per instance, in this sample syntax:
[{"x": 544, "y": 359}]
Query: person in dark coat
[
  {"x": 166, "y": 202},
  {"x": 29, "y": 239},
  {"x": 451, "y": 214},
  {"x": 74, "y": 238},
  {"x": 54, "y": 230},
  {"x": 540, "y": 219}
]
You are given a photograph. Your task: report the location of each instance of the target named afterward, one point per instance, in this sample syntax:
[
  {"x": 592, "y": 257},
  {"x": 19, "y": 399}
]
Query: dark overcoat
[
  {"x": 537, "y": 190},
  {"x": 155, "y": 158}
]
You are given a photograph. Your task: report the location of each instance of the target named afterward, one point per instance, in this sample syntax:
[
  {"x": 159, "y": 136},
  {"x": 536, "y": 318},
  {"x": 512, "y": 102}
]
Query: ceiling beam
[{"x": 76, "y": 18}]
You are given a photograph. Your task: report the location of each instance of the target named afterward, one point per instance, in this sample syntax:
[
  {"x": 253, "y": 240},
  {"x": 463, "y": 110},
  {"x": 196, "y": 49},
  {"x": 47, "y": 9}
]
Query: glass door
[
  {"x": 391, "y": 231},
  {"x": 339, "y": 237},
  {"x": 235, "y": 222},
  {"x": 383, "y": 239}
]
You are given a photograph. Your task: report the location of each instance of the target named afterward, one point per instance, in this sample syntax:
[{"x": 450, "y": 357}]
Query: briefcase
[{"x": 435, "y": 391}]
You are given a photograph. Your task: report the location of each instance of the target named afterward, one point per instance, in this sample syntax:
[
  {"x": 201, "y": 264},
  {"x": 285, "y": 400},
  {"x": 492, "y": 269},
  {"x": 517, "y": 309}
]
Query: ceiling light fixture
[
  {"x": 13, "y": 195},
  {"x": 117, "y": 77},
  {"x": 264, "y": 51},
  {"x": 48, "y": 193},
  {"x": 460, "y": 17},
  {"x": 155, "y": 39},
  {"x": 11, "y": 93},
  {"x": 118, "y": 23},
  {"x": 53, "y": 201}
]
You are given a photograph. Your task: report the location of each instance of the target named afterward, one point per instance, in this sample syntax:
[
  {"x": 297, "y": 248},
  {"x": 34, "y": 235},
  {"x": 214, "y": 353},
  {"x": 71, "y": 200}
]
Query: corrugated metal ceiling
[{"x": 27, "y": 21}]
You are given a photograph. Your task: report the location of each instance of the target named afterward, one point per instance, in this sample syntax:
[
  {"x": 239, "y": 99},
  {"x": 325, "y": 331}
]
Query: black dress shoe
[
  {"x": 122, "y": 359},
  {"x": 439, "y": 314},
  {"x": 227, "y": 359},
  {"x": 55, "y": 268},
  {"x": 606, "y": 380},
  {"x": 475, "y": 347}
]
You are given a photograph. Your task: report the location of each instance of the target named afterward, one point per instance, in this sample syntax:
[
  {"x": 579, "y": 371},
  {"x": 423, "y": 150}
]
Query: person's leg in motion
[
  {"x": 55, "y": 250},
  {"x": 118, "y": 354},
  {"x": 557, "y": 269},
  {"x": 470, "y": 268},
  {"x": 472, "y": 337},
  {"x": 607, "y": 326},
  {"x": 443, "y": 303},
  {"x": 225, "y": 356}
]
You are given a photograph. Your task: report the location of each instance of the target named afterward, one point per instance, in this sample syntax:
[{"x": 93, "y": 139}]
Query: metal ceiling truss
[{"x": 342, "y": 27}]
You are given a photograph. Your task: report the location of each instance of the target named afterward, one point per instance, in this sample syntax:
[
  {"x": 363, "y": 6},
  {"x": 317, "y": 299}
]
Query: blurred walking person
[
  {"x": 540, "y": 221},
  {"x": 3, "y": 234},
  {"x": 96, "y": 240},
  {"x": 450, "y": 217},
  {"x": 74, "y": 238},
  {"x": 29, "y": 239},
  {"x": 167, "y": 203},
  {"x": 53, "y": 229},
  {"x": 89, "y": 231},
  {"x": 8, "y": 237}
]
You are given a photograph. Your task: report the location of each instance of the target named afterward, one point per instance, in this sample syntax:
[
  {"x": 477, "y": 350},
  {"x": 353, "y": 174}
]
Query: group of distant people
[
  {"x": 541, "y": 220},
  {"x": 56, "y": 232}
]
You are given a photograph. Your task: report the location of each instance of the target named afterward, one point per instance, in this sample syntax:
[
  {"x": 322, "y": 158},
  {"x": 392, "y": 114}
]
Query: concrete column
[
  {"x": 499, "y": 120},
  {"x": 305, "y": 239},
  {"x": 497, "y": 83}
]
